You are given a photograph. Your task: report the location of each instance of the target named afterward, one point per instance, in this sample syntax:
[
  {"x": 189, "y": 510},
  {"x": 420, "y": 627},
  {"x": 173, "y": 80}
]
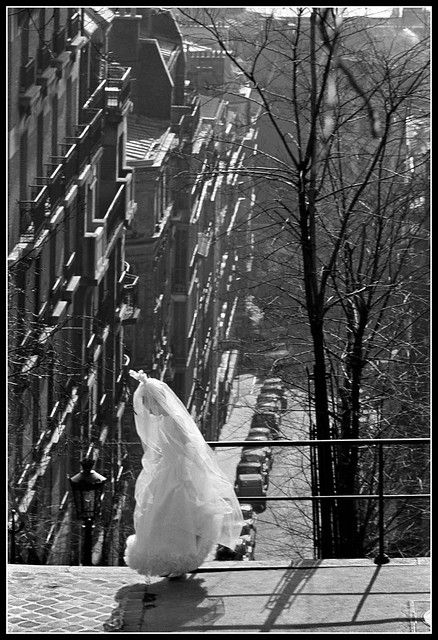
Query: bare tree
[{"x": 341, "y": 226}]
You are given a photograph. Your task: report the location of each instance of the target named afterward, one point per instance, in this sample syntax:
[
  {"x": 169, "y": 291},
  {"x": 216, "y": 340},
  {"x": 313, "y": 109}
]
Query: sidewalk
[{"x": 329, "y": 596}]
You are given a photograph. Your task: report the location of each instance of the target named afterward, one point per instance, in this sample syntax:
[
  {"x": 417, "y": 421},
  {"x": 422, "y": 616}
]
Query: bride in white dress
[{"x": 184, "y": 503}]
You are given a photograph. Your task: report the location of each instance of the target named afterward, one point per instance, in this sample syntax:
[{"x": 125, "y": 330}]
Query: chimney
[{"x": 124, "y": 36}]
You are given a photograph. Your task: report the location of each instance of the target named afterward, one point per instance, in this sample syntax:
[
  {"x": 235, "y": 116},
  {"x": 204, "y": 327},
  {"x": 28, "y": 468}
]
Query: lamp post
[{"x": 87, "y": 488}]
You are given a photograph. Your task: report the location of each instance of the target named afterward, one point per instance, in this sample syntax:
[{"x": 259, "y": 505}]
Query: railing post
[
  {"x": 12, "y": 547},
  {"x": 381, "y": 557},
  {"x": 87, "y": 548}
]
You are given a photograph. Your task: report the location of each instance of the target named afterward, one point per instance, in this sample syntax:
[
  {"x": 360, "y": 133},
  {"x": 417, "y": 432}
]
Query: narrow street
[{"x": 284, "y": 530}]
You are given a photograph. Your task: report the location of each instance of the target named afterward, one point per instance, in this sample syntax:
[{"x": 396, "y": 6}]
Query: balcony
[
  {"x": 117, "y": 89},
  {"x": 89, "y": 136},
  {"x": 131, "y": 205},
  {"x": 70, "y": 267},
  {"x": 70, "y": 163},
  {"x": 96, "y": 101},
  {"x": 73, "y": 26},
  {"x": 95, "y": 263},
  {"x": 115, "y": 213},
  {"x": 128, "y": 310},
  {"x": 185, "y": 118},
  {"x": 35, "y": 212},
  {"x": 56, "y": 184}
]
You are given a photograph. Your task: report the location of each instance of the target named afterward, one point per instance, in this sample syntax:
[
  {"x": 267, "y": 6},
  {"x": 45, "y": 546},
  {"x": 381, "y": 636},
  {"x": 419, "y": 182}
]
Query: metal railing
[
  {"x": 380, "y": 496},
  {"x": 118, "y": 87},
  {"x": 89, "y": 136},
  {"x": 35, "y": 210}
]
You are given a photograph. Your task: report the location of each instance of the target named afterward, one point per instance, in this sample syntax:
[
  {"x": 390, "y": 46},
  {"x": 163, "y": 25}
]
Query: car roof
[
  {"x": 259, "y": 451},
  {"x": 250, "y": 477},
  {"x": 248, "y": 462}
]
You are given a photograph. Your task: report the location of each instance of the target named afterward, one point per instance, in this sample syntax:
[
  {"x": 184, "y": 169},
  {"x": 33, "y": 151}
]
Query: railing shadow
[
  {"x": 165, "y": 606},
  {"x": 291, "y": 584}
]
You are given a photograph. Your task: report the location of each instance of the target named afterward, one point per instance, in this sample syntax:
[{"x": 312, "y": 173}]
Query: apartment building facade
[
  {"x": 70, "y": 294},
  {"x": 128, "y": 220},
  {"x": 181, "y": 146}
]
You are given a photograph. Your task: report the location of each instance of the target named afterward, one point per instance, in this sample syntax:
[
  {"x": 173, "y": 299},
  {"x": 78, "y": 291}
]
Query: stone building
[
  {"x": 128, "y": 230},
  {"x": 186, "y": 159},
  {"x": 70, "y": 294}
]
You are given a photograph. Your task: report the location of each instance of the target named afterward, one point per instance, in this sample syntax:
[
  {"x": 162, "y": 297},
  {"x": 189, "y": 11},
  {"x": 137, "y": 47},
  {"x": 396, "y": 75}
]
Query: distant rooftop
[
  {"x": 96, "y": 16},
  {"x": 210, "y": 106},
  {"x": 146, "y": 137}
]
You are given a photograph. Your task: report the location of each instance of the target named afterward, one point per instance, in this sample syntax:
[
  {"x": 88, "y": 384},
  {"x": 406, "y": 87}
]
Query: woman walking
[{"x": 184, "y": 503}]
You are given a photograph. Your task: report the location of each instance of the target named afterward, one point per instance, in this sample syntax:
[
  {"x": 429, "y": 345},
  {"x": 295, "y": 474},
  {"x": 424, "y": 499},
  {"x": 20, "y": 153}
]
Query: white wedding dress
[{"x": 184, "y": 503}]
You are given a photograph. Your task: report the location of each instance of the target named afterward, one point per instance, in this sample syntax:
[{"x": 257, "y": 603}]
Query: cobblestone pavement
[{"x": 310, "y": 596}]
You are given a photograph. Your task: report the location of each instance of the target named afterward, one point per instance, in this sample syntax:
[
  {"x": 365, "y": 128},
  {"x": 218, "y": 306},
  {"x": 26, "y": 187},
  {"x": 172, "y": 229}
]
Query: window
[
  {"x": 37, "y": 285},
  {"x": 68, "y": 109},
  {"x": 25, "y": 40},
  {"x": 40, "y": 145},
  {"x": 23, "y": 166},
  {"x": 55, "y": 125},
  {"x": 121, "y": 153}
]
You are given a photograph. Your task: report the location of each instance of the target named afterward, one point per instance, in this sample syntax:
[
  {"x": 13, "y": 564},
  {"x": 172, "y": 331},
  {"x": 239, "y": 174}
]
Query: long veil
[{"x": 167, "y": 430}]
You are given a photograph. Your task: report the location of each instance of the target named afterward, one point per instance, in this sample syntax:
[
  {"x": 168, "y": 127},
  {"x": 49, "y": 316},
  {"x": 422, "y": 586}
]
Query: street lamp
[{"x": 87, "y": 488}]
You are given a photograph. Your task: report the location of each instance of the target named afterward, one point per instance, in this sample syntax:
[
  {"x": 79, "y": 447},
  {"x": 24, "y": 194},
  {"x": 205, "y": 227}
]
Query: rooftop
[
  {"x": 330, "y": 596},
  {"x": 146, "y": 137}
]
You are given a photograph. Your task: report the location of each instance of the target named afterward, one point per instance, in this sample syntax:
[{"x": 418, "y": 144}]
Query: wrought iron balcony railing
[
  {"x": 70, "y": 163},
  {"x": 95, "y": 101},
  {"x": 35, "y": 211},
  {"x": 89, "y": 136},
  {"x": 56, "y": 184},
  {"x": 114, "y": 215},
  {"x": 118, "y": 87},
  {"x": 127, "y": 297}
]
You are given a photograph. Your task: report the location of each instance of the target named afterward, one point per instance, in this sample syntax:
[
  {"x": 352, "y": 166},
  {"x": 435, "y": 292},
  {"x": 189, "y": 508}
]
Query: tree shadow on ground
[{"x": 167, "y": 605}]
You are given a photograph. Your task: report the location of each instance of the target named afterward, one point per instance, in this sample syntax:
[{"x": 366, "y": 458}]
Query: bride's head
[{"x": 153, "y": 393}]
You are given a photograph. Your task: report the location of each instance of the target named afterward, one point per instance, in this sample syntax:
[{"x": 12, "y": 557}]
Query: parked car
[
  {"x": 260, "y": 431},
  {"x": 268, "y": 419},
  {"x": 250, "y": 542},
  {"x": 256, "y": 437},
  {"x": 279, "y": 401},
  {"x": 277, "y": 381},
  {"x": 277, "y": 391},
  {"x": 238, "y": 553},
  {"x": 251, "y": 485},
  {"x": 253, "y": 467},
  {"x": 244, "y": 549},
  {"x": 269, "y": 406},
  {"x": 248, "y": 527},
  {"x": 247, "y": 511},
  {"x": 262, "y": 454}
]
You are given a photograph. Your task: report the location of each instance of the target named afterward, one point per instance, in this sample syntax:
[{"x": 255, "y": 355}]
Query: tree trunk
[{"x": 325, "y": 457}]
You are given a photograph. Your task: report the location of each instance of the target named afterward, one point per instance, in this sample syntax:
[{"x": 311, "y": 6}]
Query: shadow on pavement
[
  {"x": 163, "y": 606},
  {"x": 282, "y": 598}
]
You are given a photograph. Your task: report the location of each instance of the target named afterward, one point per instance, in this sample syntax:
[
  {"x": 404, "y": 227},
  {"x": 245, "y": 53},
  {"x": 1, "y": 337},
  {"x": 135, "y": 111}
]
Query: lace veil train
[{"x": 184, "y": 503}]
